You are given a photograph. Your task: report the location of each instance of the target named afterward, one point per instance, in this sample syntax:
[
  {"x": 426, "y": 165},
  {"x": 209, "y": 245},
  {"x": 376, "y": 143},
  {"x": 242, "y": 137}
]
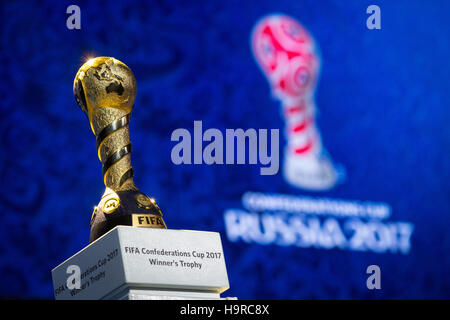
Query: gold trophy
[{"x": 105, "y": 89}]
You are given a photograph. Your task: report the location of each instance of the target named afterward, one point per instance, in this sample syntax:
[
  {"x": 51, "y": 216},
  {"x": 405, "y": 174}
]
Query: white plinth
[{"x": 146, "y": 264}]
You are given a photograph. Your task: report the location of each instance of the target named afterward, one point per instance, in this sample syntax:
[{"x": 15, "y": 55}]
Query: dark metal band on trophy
[{"x": 105, "y": 89}]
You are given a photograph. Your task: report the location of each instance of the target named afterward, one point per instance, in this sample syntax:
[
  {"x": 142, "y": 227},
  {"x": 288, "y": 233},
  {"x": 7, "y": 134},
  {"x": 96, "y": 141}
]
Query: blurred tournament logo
[{"x": 288, "y": 56}]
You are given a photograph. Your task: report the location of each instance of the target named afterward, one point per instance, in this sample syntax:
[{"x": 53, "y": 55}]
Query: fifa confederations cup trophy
[
  {"x": 131, "y": 254},
  {"x": 105, "y": 89}
]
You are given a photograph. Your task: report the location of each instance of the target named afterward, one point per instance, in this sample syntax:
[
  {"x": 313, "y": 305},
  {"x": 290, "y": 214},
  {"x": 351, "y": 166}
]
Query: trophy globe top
[{"x": 105, "y": 89}]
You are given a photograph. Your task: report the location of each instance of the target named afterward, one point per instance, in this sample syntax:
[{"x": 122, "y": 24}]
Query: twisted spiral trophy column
[{"x": 105, "y": 89}]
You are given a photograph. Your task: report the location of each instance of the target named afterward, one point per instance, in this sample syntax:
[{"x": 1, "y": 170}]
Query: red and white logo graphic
[{"x": 287, "y": 54}]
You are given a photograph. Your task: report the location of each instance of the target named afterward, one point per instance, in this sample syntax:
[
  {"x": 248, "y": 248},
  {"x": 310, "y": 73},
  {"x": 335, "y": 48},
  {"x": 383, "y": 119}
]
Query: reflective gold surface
[
  {"x": 148, "y": 221},
  {"x": 105, "y": 89}
]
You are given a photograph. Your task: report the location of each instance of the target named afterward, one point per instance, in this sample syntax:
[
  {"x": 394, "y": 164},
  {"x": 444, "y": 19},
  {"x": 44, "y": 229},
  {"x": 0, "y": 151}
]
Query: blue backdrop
[{"x": 383, "y": 114}]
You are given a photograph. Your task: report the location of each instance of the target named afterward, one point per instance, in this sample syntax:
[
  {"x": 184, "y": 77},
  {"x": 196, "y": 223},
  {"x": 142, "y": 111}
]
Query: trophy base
[{"x": 130, "y": 263}]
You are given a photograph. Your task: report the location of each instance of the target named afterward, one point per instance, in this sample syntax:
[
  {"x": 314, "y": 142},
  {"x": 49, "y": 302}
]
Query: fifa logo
[{"x": 288, "y": 57}]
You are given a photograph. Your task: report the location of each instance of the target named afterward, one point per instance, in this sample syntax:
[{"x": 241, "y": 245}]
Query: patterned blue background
[{"x": 384, "y": 113}]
